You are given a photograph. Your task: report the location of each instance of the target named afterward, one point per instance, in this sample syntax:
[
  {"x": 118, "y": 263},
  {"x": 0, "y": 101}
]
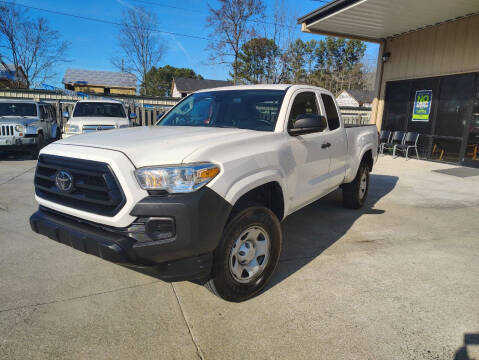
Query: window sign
[{"x": 422, "y": 105}]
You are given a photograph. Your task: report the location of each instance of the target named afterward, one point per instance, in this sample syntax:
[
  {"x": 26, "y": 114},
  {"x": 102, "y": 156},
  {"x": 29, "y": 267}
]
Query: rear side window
[
  {"x": 331, "y": 112},
  {"x": 304, "y": 103}
]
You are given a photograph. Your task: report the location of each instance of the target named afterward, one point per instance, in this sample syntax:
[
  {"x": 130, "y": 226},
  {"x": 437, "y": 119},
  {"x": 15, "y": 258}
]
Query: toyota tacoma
[{"x": 201, "y": 195}]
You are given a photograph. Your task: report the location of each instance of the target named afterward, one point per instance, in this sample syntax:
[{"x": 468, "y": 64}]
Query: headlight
[
  {"x": 72, "y": 128},
  {"x": 19, "y": 128},
  {"x": 177, "y": 179}
]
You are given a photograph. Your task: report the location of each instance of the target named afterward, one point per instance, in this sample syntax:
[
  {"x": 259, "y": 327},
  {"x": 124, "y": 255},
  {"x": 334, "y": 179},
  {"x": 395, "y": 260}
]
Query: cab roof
[{"x": 264, "y": 87}]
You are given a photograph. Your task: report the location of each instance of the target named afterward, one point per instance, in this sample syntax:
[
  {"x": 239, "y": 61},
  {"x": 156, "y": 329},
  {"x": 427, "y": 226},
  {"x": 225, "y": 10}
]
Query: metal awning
[{"x": 379, "y": 19}]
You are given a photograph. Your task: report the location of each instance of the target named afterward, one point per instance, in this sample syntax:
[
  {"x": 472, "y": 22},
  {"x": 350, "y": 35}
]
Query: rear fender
[
  {"x": 354, "y": 165},
  {"x": 53, "y": 131}
]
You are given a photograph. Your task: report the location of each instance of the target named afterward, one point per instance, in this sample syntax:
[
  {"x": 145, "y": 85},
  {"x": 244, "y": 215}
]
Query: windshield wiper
[{"x": 224, "y": 126}]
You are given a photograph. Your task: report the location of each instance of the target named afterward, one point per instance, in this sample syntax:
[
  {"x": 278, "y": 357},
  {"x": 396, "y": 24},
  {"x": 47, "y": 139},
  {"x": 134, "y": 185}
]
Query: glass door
[
  {"x": 471, "y": 151},
  {"x": 452, "y": 116},
  {"x": 396, "y": 112}
]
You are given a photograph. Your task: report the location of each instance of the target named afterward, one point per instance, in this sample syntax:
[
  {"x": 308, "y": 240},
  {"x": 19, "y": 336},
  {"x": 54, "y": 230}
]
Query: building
[
  {"x": 182, "y": 87},
  {"x": 355, "y": 98},
  {"x": 100, "y": 82},
  {"x": 428, "y": 67},
  {"x": 10, "y": 78}
]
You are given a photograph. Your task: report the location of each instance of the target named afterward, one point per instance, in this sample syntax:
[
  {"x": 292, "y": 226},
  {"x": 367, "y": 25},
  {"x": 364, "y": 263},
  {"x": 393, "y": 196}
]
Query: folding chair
[
  {"x": 396, "y": 138},
  {"x": 384, "y": 138},
  {"x": 409, "y": 142}
]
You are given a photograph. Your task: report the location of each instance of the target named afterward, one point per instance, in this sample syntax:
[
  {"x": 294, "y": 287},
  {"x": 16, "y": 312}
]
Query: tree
[
  {"x": 231, "y": 24},
  {"x": 140, "y": 47},
  {"x": 332, "y": 63},
  {"x": 295, "y": 59},
  {"x": 30, "y": 44},
  {"x": 158, "y": 81},
  {"x": 256, "y": 61}
]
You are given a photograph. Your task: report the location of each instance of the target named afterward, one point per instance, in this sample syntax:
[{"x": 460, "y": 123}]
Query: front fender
[
  {"x": 31, "y": 130},
  {"x": 252, "y": 181}
]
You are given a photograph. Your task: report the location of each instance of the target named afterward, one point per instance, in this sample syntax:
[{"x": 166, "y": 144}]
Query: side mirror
[
  {"x": 308, "y": 123},
  {"x": 132, "y": 116},
  {"x": 66, "y": 115}
]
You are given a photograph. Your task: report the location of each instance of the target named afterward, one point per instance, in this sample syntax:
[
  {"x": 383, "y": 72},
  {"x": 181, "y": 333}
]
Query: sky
[{"x": 93, "y": 43}]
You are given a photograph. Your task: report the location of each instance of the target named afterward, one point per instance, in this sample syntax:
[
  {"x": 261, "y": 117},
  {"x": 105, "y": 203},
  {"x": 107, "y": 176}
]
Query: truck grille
[
  {"x": 94, "y": 188},
  {"x": 94, "y": 128},
  {"x": 6, "y": 130}
]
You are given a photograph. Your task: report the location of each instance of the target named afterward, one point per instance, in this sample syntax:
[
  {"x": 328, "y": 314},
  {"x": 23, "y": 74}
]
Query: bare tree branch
[
  {"x": 140, "y": 48},
  {"x": 30, "y": 45},
  {"x": 231, "y": 29}
]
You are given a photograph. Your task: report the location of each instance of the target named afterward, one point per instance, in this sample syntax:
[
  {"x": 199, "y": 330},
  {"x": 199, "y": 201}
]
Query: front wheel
[
  {"x": 38, "y": 146},
  {"x": 356, "y": 192},
  {"x": 247, "y": 255}
]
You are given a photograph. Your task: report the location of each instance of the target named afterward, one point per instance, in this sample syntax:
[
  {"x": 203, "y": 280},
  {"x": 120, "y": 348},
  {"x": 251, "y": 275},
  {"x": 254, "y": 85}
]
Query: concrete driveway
[{"x": 398, "y": 279}]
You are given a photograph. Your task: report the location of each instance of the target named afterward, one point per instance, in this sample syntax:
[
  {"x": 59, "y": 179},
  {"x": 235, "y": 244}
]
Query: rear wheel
[
  {"x": 248, "y": 254},
  {"x": 356, "y": 192}
]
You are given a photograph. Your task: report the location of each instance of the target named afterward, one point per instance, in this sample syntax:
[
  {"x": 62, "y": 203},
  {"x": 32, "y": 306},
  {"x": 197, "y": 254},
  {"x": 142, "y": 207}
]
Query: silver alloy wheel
[
  {"x": 249, "y": 254},
  {"x": 363, "y": 184}
]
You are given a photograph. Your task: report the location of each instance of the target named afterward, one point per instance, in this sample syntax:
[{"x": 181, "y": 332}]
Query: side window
[
  {"x": 304, "y": 103},
  {"x": 43, "y": 112},
  {"x": 331, "y": 111},
  {"x": 51, "y": 110}
]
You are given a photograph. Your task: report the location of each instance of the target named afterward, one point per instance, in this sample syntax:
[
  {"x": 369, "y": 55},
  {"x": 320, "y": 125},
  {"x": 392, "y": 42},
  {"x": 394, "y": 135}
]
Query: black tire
[
  {"x": 39, "y": 145},
  {"x": 223, "y": 283},
  {"x": 354, "y": 196}
]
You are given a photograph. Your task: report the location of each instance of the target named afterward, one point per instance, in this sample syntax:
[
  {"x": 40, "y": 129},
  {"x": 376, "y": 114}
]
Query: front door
[{"x": 310, "y": 152}]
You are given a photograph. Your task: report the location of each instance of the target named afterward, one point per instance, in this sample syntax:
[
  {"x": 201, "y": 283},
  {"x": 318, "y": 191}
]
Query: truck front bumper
[
  {"x": 16, "y": 143},
  {"x": 199, "y": 219}
]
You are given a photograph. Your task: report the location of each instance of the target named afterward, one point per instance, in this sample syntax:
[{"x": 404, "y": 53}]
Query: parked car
[
  {"x": 27, "y": 125},
  {"x": 96, "y": 115},
  {"x": 201, "y": 195}
]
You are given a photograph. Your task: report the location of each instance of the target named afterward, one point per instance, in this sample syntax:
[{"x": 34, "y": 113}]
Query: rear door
[
  {"x": 336, "y": 137},
  {"x": 46, "y": 121},
  {"x": 311, "y": 156}
]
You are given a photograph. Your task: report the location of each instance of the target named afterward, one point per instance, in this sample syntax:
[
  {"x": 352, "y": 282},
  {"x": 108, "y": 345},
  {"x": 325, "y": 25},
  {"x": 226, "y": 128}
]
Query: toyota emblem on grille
[
  {"x": 64, "y": 181},
  {"x": 99, "y": 128}
]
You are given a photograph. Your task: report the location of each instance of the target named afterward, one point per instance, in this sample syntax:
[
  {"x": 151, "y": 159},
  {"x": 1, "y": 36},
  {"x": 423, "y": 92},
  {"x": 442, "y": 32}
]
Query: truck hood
[
  {"x": 14, "y": 120},
  {"x": 99, "y": 120},
  {"x": 159, "y": 145}
]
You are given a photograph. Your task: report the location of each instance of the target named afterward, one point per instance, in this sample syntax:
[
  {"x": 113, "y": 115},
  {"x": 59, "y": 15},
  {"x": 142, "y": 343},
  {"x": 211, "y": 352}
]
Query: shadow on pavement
[
  {"x": 462, "y": 353},
  {"x": 15, "y": 155},
  {"x": 313, "y": 229}
]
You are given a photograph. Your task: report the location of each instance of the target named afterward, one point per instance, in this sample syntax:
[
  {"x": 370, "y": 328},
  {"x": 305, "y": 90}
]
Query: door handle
[{"x": 325, "y": 145}]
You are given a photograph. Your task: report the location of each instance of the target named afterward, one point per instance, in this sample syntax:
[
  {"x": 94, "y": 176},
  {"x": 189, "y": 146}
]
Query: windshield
[
  {"x": 242, "y": 109},
  {"x": 99, "y": 109},
  {"x": 17, "y": 109}
]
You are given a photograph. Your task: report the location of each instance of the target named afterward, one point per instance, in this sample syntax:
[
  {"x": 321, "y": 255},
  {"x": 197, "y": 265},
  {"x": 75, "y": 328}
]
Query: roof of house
[
  {"x": 9, "y": 71},
  {"x": 100, "y": 78},
  {"x": 361, "y": 96},
  {"x": 190, "y": 85}
]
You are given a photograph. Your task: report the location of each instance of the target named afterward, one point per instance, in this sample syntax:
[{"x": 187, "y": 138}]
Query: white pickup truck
[
  {"x": 96, "y": 115},
  {"x": 201, "y": 195}
]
